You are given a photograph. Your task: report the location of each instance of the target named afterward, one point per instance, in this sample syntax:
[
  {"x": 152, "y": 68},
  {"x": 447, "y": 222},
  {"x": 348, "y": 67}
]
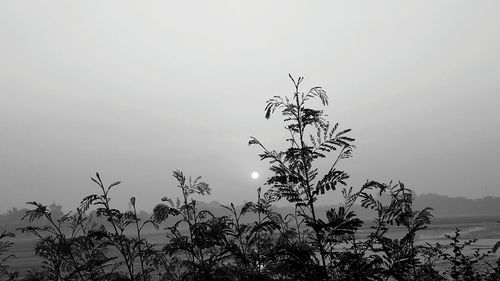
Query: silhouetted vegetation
[{"x": 306, "y": 244}]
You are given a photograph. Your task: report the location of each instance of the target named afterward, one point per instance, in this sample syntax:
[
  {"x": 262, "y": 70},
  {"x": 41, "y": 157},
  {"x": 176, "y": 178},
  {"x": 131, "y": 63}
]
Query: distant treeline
[{"x": 443, "y": 206}]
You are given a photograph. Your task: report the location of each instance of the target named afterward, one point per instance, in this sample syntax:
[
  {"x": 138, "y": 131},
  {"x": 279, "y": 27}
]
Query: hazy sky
[{"x": 137, "y": 89}]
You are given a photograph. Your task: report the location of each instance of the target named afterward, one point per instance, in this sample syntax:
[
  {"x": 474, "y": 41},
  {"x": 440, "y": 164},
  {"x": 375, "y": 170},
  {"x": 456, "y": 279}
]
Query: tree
[{"x": 295, "y": 176}]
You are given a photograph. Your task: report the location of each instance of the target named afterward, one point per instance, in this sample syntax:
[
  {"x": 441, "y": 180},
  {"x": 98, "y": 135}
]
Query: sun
[{"x": 255, "y": 175}]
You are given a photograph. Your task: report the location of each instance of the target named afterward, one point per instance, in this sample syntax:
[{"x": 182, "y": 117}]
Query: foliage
[
  {"x": 203, "y": 249},
  {"x": 302, "y": 245},
  {"x": 68, "y": 245},
  {"x": 5, "y": 246},
  {"x": 295, "y": 177},
  {"x": 130, "y": 249},
  {"x": 467, "y": 267}
]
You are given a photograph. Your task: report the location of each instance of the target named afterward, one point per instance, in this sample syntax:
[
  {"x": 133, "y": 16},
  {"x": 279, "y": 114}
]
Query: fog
[{"x": 135, "y": 90}]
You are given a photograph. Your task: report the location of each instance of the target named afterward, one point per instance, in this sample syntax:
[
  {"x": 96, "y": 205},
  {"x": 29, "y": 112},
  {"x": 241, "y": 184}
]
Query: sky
[{"x": 137, "y": 89}]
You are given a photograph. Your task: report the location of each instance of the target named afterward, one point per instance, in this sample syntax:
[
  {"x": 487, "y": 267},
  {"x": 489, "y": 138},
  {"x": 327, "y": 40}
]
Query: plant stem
[{"x": 307, "y": 183}]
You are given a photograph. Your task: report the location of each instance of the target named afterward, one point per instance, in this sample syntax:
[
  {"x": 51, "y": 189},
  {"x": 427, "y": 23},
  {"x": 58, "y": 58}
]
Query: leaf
[
  {"x": 87, "y": 201},
  {"x": 272, "y": 104},
  {"x": 247, "y": 207},
  {"x": 202, "y": 188},
  {"x": 94, "y": 180},
  {"x": 330, "y": 181},
  {"x": 343, "y": 132},
  {"x": 313, "y": 141},
  {"x": 179, "y": 176},
  {"x": 319, "y": 92},
  {"x": 36, "y": 213},
  {"x": 166, "y": 199},
  {"x": 113, "y": 184},
  {"x": 293, "y": 80},
  {"x": 495, "y": 248},
  {"x": 228, "y": 208},
  {"x": 161, "y": 212}
]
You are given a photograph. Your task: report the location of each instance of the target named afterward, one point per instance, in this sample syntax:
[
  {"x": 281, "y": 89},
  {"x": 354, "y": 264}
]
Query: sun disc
[{"x": 255, "y": 175}]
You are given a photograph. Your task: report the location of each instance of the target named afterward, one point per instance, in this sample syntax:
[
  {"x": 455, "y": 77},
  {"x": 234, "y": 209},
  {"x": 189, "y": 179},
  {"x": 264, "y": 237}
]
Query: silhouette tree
[{"x": 311, "y": 137}]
